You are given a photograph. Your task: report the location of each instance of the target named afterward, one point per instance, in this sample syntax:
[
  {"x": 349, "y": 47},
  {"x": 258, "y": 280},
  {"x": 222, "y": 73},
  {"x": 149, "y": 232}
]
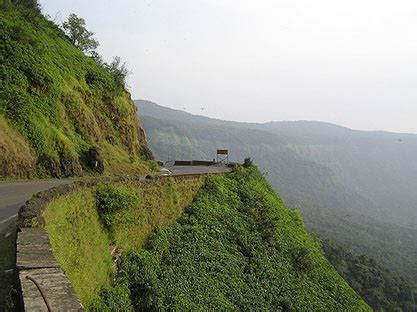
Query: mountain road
[{"x": 14, "y": 194}]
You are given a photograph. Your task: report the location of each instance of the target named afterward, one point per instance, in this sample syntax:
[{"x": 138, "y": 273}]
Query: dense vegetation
[
  {"x": 354, "y": 187},
  {"x": 382, "y": 289},
  {"x": 89, "y": 227},
  {"x": 61, "y": 112},
  {"x": 237, "y": 247}
]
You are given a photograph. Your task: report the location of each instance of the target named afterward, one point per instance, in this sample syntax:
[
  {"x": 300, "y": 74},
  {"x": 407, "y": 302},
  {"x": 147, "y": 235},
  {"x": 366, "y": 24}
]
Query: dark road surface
[
  {"x": 179, "y": 170},
  {"x": 13, "y": 195}
]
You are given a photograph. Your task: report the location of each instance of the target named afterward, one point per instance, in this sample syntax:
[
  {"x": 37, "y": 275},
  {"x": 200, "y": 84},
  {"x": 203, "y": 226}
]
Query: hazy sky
[{"x": 353, "y": 62}]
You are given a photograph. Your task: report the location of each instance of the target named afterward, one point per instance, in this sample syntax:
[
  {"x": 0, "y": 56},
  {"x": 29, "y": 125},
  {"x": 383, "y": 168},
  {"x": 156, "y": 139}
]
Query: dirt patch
[{"x": 17, "y": 158}]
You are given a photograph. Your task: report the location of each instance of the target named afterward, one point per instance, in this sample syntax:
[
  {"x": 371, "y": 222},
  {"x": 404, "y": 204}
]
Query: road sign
[{"x": 222, "y": 156}]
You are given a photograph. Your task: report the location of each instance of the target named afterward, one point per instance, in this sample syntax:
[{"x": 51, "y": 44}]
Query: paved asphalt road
[
  {"x": 14, "y": 195},
  {"x": 178, "y": 170}
]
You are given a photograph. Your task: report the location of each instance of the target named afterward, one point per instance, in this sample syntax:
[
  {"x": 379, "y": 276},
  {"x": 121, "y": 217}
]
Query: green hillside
[
  {"x": 60, "y": 111},
  {"x": 237, "y": 247},
  {"x": 177, "y": 243},
  {"x": 382, "y": 289},
  {"x": 82, "y": 236},
  {"x": 326, "y": 171}
]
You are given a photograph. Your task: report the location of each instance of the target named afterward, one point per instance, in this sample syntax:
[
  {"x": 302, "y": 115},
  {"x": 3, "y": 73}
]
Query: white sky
[{"x": 353, "y": 63}]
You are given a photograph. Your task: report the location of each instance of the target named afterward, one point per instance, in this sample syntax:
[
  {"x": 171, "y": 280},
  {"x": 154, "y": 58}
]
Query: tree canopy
[{"x": 83, "y": 39}]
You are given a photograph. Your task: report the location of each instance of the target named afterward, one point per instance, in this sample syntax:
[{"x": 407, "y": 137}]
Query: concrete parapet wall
[
  {"x": 43, "y": 284},
  {"x": 194, "y": 163}
]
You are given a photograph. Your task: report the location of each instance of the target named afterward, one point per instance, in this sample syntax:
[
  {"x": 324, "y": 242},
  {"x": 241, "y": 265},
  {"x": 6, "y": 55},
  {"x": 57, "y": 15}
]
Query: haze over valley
[
  {"x": 352, "y": 186},
  {"x": 274, "y": 171}
]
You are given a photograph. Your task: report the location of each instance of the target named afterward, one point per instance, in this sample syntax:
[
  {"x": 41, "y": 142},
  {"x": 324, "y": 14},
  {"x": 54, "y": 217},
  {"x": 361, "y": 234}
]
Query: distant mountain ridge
[
  {"x": 302, "y": 137},
  {"x": 355, "y": 186}
]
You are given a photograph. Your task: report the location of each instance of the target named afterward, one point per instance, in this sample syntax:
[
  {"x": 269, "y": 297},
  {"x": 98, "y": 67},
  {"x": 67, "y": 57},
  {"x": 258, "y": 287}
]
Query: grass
[
  {"x": 56, "y": 103},
  {"x": 15, "y": 152},
  {"x": 237, "y": 247},
  {"x": 81, "y": 242},
  {"x": 160, "y": 203},
  {"x": 118, "y": 162}
]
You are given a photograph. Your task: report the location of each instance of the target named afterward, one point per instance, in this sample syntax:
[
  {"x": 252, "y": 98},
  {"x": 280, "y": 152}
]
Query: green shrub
[
  {"x": 115, "y": 298},
  {"x": 99, "y": 81},
  {"x": 236, "y": 248},
  {"x": 118, "y": 71},
  {"x": 247, "y": 163},
  {"x": 153, "y": 165},
  {"x": 113, "y": 198},
  {"x": 140, "y": 268},
  {"x": 296, "y": 217},
  {"x": 30, "y": 4},
  {"x": 302, "y": 259}
]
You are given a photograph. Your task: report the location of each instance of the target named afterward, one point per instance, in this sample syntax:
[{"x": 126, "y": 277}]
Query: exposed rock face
[
  {"x": 132, "y": 133},
  {"x": 147, "y": 153},
  {"x": 94, "y": 160}
]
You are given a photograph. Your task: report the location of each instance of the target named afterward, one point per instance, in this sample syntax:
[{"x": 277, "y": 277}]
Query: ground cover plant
[
  {"x": 90, "y": 226},
  {"x": 62, "y": 113},
  {"x": 237, "y": 247}
]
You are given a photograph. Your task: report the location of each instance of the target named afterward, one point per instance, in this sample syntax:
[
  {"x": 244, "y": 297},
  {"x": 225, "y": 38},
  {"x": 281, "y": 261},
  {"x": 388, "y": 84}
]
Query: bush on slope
[{"x": 236, "y": 248}]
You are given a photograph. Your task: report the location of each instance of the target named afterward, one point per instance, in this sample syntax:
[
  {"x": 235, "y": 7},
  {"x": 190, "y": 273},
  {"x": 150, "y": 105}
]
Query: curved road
[
  {"x": 180, "y": 170},
  {"x": 13, "y": 195}
]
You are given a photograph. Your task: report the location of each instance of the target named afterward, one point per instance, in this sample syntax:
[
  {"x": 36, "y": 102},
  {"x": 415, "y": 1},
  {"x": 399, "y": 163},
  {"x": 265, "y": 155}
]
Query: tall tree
[
  {"x": 119, "y": 71},
  {"x": 83, "y": 39}
]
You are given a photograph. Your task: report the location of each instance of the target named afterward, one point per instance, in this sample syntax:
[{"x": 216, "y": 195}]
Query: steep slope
[
  {"x": 333, "y": 205},
  {"x": 236, "y": 247},
  {"x": 381, "y": 289},
  {"x": 87, "y": 223},
  {"x": 60, "y": 111}
]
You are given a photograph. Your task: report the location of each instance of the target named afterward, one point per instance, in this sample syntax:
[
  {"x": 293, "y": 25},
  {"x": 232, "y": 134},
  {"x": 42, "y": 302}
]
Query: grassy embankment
[
  {"x": 235, "y": 247},
  {"x": 82, "y": 242},
  {"x": 56, "y": 104}
]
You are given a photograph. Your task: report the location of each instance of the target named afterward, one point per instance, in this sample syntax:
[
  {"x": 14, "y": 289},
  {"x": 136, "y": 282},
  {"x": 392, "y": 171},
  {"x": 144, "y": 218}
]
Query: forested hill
[
  {"x": 382, "y": 289},
  {"x": 354, "y": 187},
  {"x": 60, "y": 110}
]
